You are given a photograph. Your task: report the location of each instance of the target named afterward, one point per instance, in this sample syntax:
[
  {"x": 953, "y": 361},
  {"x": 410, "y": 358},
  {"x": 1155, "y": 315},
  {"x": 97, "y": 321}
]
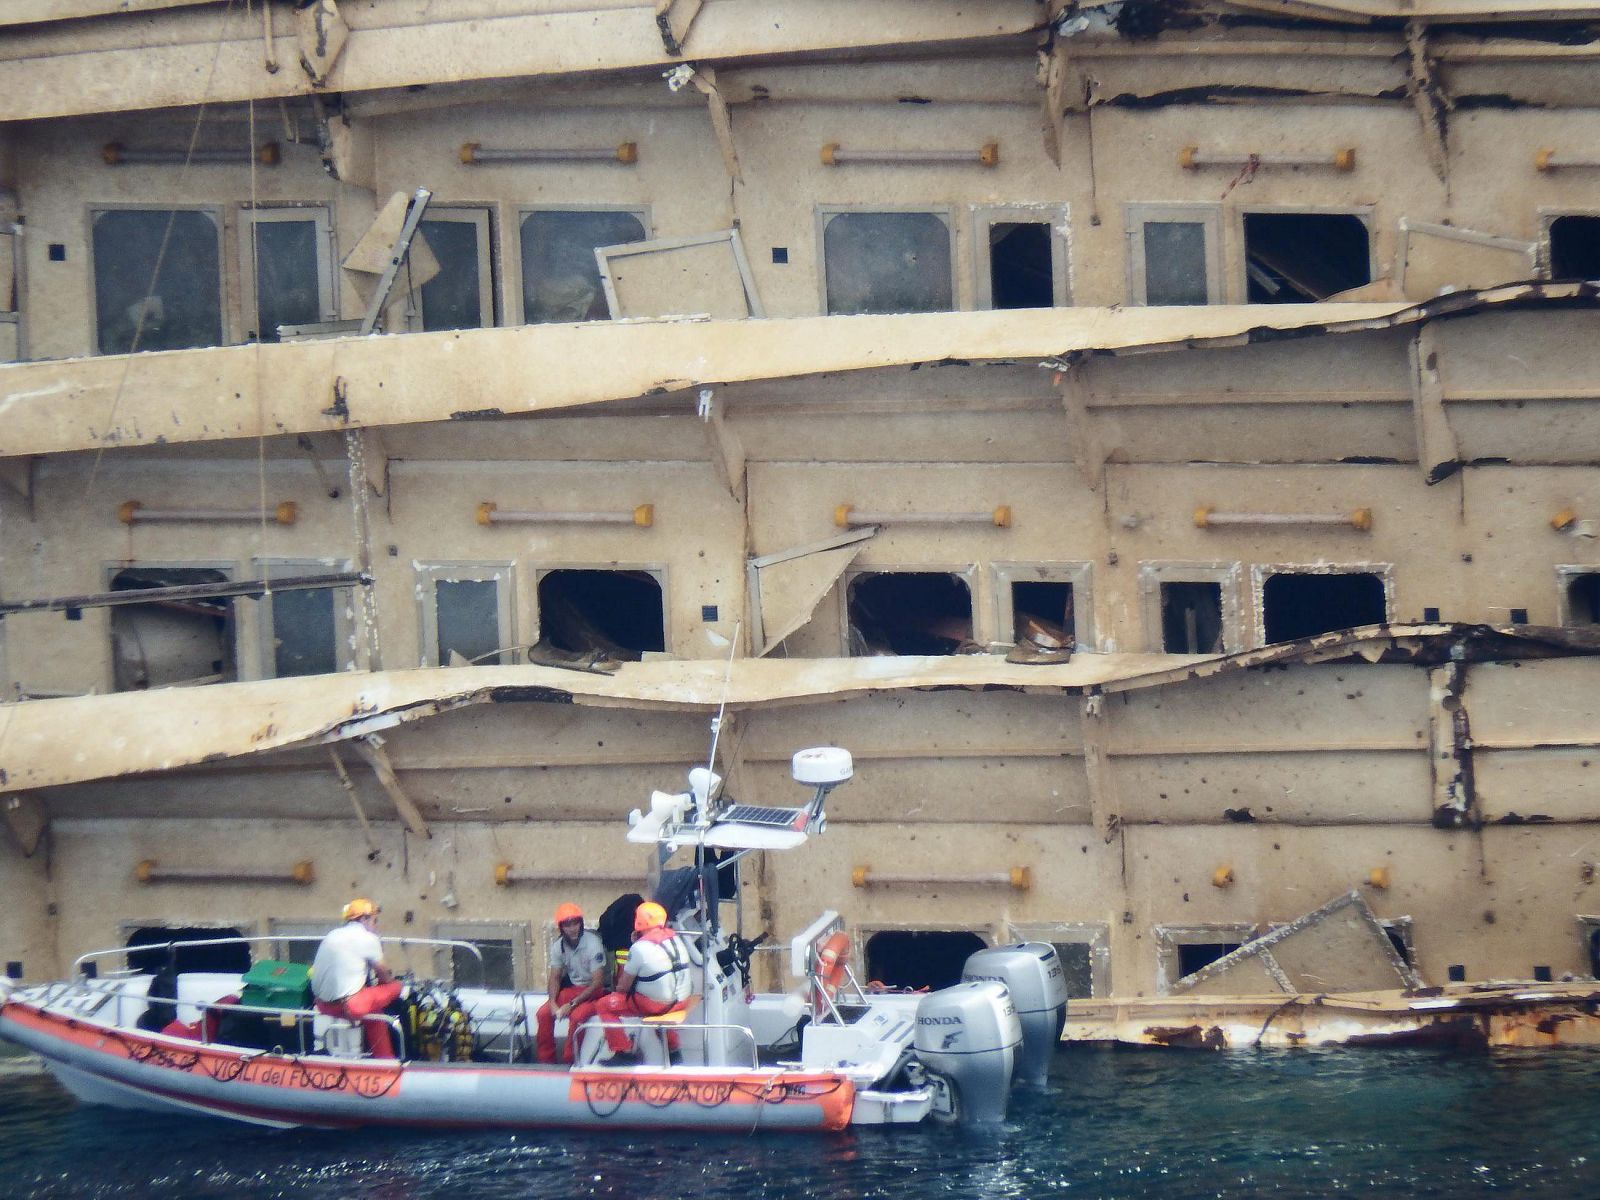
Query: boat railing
[
  {"x": 275, "y": 938},
  {"x": 743, "y": 1033}
]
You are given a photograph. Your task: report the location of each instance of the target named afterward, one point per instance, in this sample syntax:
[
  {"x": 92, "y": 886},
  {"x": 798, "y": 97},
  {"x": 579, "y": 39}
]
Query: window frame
[
  {"x": 344, "y": 625},
  {"x": 1548, "y": 216},
  {"x": 657, "y": 571},
  {"x": 985, "y": 216},
  {"x": 232, "y": 569},
  {"x": 1199, "y": 933},
  {"x": 827, "y": 212},
  {"x": 643, "y": 211},
  {"x": 1229, "y": 575},
  {"x": 489, "y": 274},
  {"x": 1566, "y": 575},
  {"x": 218, "y": 214},
  {"x": 1079, "y": 574},
  {"x": 430, "y": 574},
  {"x": 967, "y": 572},
  {"x": 297, "y": 928},
  {"x": 327, "y": 254},
  {"x": 1366, "y": 213},
  {"x": 519, "y": 933},
  {"x": 1260, "y": 572},
  {"x": 1137, "y": 214},
  {"x": 1094, "y": 934},
  {"x": 862, "y": 933}
]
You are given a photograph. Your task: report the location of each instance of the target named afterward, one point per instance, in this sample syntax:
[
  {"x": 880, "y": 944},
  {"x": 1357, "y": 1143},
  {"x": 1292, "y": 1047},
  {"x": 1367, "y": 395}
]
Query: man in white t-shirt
[
  {"x": 339, "y": 976},
  {"x": 577, "y": 979}
]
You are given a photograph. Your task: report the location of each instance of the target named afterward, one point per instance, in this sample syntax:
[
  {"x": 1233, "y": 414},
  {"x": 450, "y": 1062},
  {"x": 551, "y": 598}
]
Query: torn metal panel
[
  {"x": 1434, "y": 259},
  {"x": 184, "y": 592},
  {"x": 1466, "y": 11},
  {"x": 1432, "y": 102},
  {"x": 1339, "y": 947},
  {"x": 38, "y": 12},
  {"x": 371, "y": 749},
  {"x": 788, "y": 586},
  {"x": 674, "y": 18},
  {"x": 1437, "y": 454},
  {"x": 322, "y": 34},
  {"x": 1450, "y": 748},
  {"x": 248, "y": 391},
  {"x": 1465, "y": 1016},
  {"x": 701, "y": 273},
  {"x": 27, "y": 820}
]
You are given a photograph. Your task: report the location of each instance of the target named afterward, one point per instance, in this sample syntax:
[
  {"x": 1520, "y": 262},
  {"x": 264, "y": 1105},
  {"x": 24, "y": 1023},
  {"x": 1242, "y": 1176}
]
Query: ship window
[
  {"x": 1019, "y": 265},
  {"x": 908, "y": 612},
  {"x": 1044, "y": 608},
  {"x": 286, "y": 254},
  {"x": 503, "y": 946},
  {"x": 1399, "y": 932},
  {"x": 300, "y": 940},
  {"x": 560, "y": 277},
  {"x": 1181, "y": 950},
  {"x": 227, "y": 959},
  {"x": 1192, "y": 956},
  {"x": 157, "y": 279},
  {"x": 461, "y": 295},
  {"x": 886, "y": 262},
  {"x": 1191, "y": 617},
  {"x": 919, "y": 958},
  {"x": 1084, "y": 950},
  {"x": 171, "y": 641},
  {"x": 1173, "y": 253},
  {"x": 309, "y": 632},
  {"x": 1298, "y": 605},
  {"x": 1055, "y": 600},
  {"x": 619, "y": 614},
  {"x": 1583, "y": 598},
  {"x": 1299, "y": 258},
  {"x": 466, "y": 614},
  {"x": 1575, "y": 247}
]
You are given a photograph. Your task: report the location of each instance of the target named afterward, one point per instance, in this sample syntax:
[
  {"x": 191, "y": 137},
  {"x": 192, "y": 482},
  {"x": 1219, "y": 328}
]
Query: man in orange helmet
[
  {"x": 339, "y": 976},
  {"x": 654, "y": 980},
  {"x": 577, "y": 977}
]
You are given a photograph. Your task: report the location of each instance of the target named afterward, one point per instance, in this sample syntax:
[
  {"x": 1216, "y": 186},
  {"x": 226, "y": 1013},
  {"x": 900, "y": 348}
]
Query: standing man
[
  {"x": 339, "y": 976},
  {"x": 654, "y": 980},
  {"x": 577, "y": 957}
]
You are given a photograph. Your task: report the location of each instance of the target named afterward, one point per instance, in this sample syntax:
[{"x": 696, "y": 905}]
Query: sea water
[{"x": 1112, "y": 1123}]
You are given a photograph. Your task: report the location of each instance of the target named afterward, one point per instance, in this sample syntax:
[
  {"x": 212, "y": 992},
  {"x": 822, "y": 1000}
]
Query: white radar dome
[{"x": 822, "y": 766}]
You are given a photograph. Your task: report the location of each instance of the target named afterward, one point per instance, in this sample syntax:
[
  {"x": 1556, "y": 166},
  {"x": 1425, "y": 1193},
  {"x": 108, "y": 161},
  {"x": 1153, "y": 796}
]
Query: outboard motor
[
  {"x": 1032, "y": 974},
  {"x": 969, "y": 1035}
]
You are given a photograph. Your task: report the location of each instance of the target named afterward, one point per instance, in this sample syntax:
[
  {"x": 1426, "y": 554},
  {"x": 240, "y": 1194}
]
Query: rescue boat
[{"x": 827, "y": 1055}]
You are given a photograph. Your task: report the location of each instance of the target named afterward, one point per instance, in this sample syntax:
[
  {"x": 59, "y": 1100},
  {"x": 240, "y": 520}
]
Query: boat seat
[
  {"x": 337, "y": 1036},
  {"x": 674, "y": 1016}
]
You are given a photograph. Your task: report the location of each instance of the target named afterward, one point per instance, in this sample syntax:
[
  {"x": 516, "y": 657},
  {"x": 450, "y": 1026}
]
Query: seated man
[
  {"x": 654, "y": 980},
  {"x": 339, "y": 976},
  {"x": 579, "y": 958}
]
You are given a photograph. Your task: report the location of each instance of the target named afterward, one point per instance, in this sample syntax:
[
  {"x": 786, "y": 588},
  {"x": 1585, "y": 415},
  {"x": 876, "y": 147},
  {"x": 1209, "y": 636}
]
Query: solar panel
[{"x": 755, "y": 814}]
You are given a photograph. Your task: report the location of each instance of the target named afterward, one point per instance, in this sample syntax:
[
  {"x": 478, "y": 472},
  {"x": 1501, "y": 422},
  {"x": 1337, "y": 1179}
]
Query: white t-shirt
[
  {"x": 580, "y": 963},
  {"x": 340, "y": 968}
]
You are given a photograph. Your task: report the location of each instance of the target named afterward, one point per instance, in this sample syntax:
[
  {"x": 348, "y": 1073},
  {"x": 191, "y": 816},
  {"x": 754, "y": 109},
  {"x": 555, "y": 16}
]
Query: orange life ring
[{"x": 833, "y": 962}]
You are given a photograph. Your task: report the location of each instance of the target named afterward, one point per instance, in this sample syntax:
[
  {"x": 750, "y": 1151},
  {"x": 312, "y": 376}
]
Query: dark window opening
[
  {"x": 497, "y": 970},
  {"x": 616, "y": 613},
  {"x": 1430, "y": 616},
  {"x": 467, "y": 620},
  {"x": 171, "y": 641},
  {"x": 1575, "y": 248},
  {"x": 1583, "y": 600},
  {"x": 1191, "y": 618},
  {"x": 288, "y": 281},
  {"x": 1456, "y": 973},
  {"x": 305, "y": 631},
  {"x": 1542, "y": 975},
  {"x": 909, "y": 612},
  {"x": 1299, "y": 606},
  {"x": 1077, "y": 967},
  {"x": 1297, "y": 258},
  {"x": 1195, "y": 955},
  {"x": 1400, "y": 938},
  {"x": 560, "y": 275},
  {"x": 887, "y": 262},
  {"x": 906, "y": 958},
  {"x": 453, "y": 299},
  {"x": 1594, "y": 952},
  {"x": 1042, "y": 613},
  {"x": 1519, "y": 616},
  {"x": 141, "y": 307},
  {"x": 227, "y": 959},
  {"x": 1020, "y": 270}
]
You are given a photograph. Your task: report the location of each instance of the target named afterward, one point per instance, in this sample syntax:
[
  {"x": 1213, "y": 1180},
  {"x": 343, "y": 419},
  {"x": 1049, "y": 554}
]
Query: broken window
[
  {"x": 171, "y": 641},
  {"x": 1191, "y": 617},
  {"x": 1299, "y": 258},
  {"x": 285, "y": 253},
  {"x": 1192, "y": 956},
  {"x": 501, "y": 961},
  {"x": 1398, "y": 932},
  {"x": 560, "y": 276},
  {"x": 1173, "y": 254},
  {"x": 1049, "y": 605},
  {"x": 887, "y": 262},
  {"x": 228, "y": 959},
  {"x": 917, "y": 958},
  {"x": 617, "y": 614},
  {"x": 1181, "y": 950},
  {"x": 1583, "y": 598},
  {"x": 157, "y": 279},
  {"x": 909, "y": 612},
  {"x": 1042, "y": 613},
  {"x": 1299, "y": 605},
  {"x": 1575, "y": 247},
  {"x": 461, "y": 295},
  {"x": 466, "y": 615},
  {"x": 305, "y": 632},
  {"x": 1084, "y": 950},
  {"x": 1022, "y": 256}
]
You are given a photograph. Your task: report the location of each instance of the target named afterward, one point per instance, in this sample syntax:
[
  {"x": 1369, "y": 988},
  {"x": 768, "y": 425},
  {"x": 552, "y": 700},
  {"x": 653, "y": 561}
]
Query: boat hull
[{"x": 109, "y": 1065}]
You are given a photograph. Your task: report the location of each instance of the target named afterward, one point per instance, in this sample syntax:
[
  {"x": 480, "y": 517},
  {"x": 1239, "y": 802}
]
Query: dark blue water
[{"x": 1176, "y": 1124}]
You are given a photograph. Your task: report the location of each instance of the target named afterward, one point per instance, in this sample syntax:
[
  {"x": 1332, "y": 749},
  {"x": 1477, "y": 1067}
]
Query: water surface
[{"x": 1132, "y": 1123}]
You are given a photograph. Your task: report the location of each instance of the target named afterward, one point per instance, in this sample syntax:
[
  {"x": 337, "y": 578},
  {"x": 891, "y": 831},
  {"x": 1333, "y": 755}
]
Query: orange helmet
[
  {"x": 360, "y": 907},
  {"x": 648, "y": 915},
  {"x": 568, "y": 912}
]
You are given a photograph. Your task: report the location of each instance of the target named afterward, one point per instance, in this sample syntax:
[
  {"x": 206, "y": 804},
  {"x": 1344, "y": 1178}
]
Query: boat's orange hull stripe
[{"x": 603, "y": 1092}]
